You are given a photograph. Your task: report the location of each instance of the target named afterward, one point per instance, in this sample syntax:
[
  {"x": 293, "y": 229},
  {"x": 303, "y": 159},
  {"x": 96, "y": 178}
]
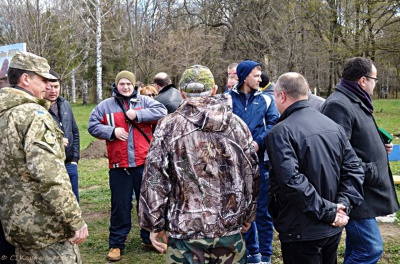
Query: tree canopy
[{"x": 89, "y": 41}]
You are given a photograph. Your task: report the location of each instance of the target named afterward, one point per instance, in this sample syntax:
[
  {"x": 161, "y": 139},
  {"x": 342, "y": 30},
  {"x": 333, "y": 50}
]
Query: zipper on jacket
[
  {"x": 127, "y": 172},
  {"x": 247, "y": 101}
]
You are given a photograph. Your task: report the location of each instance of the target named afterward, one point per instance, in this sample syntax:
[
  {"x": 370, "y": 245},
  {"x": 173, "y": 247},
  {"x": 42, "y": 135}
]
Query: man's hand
[
  {"x": 155, "y": 240},
  {"x": 246, "y": 226},
  {"x": 65, "y": 141},
  {"x": 131, "y": 114},
  {"x": 80, "y": 235},
  {"x": 121, "y": 134},
  {"x": 389, "y": 148},
  {"x": 341, "y": 218},
  {"x": 255, "y": 145}
]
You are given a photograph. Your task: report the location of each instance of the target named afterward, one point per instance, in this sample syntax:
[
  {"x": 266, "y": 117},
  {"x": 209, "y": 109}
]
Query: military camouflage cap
[
  {"x": 197, "y": 80},
  {"x": 30, "y": 62}
]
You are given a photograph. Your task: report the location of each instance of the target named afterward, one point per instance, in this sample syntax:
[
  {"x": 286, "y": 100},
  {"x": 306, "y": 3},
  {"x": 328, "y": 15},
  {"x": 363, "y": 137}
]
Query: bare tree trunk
[
  {"x": 66, "y": 91},
  {"x": 73, "y": 87},
  {"x": 85, "y": 82},
  {"x": 99, "y": 88},
  {"x": 85, "y": 91}
]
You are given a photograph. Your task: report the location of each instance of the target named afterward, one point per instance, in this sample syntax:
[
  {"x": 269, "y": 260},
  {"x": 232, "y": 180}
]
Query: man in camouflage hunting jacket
[
  {"x": 201, "y": 177},
  {"x": 38, "y": 210}
]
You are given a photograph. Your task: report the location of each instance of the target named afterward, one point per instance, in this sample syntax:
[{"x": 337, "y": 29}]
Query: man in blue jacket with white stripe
[{"x": 259, "y": 112}]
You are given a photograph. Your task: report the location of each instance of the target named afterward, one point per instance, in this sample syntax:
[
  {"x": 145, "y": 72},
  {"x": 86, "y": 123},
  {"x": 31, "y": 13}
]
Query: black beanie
[
  {"x": 264, "y": 80},
  {"x": 243, "y": 70}
]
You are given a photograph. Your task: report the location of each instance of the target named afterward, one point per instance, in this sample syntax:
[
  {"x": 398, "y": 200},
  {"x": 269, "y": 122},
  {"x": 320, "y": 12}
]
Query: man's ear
[
  {"x": 24, "y": 79},
  {"x": 182, "y": 94},
  {"x": 214, "y": 90},
  {"x": 282, "y": 97},
  {"x": 361, "y": 82}
]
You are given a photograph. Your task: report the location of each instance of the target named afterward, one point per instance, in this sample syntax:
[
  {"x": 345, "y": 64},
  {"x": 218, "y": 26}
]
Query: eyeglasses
[
  {"x": 151, "y": 95},
  {"x": 373, "y": 78}
]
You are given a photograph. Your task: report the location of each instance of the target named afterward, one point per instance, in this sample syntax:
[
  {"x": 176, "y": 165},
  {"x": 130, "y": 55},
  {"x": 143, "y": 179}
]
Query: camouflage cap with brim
[
  {"x": 30, "y": 62},
  {"x": 197, "y": 80}
]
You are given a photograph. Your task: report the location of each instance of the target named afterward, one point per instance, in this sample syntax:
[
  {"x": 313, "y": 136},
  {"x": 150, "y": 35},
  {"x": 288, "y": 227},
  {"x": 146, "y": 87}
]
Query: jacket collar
[
  {"x": 166, "y": 88},
  {"x": 238, "y": 91},
  {"x": 22, "y": 89},
  {"x": 351, "y": 96},
  {"x": 293, "y": 108}
]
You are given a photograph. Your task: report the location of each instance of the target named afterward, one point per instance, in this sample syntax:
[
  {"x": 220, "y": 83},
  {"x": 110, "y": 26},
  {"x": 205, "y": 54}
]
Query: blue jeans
[
  {"x": 363, "y": 242},
  {"x": 260, "y": 235},
  {"x": 72, "y": 170},
  {"x": 122, "y": 184}
]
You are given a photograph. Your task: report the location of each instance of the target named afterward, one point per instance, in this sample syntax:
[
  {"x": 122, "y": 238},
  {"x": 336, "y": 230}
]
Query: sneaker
[
  {"x": 114, "y": 254},
  {"x": 254, "y": 259},
  {"x": 265, "y": 260}
]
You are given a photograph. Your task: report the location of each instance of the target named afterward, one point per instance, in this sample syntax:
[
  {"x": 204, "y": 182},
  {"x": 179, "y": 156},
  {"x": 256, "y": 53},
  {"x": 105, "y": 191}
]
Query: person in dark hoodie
[
  {"x": 61, "y": 112},
  {"x": 266, "y": 85},
  {"x": 168, "y": 95},
  {"x": 258, "y": 110},
  {"x": 201, "y": 177},
  {"x": 350, "y": 105},
  {"x": 125, "y": 122}
]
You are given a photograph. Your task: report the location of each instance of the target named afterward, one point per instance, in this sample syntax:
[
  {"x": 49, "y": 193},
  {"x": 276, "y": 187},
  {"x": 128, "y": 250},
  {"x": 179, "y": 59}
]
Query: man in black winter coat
[
  {"x": 315, "y": 179},
  {"x": 168, "y": 95},
  {"x": 62, "y": 114},
  {"x": 350, "y": 106}
]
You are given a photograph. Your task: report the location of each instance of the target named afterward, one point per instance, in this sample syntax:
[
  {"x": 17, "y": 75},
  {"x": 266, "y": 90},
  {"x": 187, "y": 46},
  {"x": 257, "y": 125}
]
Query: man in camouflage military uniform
[
  {"x": 38, "y": 210},
  {"x": 201, "y": 177}
]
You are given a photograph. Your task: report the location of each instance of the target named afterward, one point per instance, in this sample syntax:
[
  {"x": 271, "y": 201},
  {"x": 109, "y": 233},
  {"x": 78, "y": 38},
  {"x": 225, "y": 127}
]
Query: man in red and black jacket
[{"x": 125, "y": 122}]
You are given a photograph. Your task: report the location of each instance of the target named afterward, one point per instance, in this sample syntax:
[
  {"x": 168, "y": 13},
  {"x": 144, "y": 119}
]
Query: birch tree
[{"x": 96, "y": 16}]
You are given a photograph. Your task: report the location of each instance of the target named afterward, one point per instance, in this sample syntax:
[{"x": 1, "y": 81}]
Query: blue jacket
[{"x": 259, "y": 112}]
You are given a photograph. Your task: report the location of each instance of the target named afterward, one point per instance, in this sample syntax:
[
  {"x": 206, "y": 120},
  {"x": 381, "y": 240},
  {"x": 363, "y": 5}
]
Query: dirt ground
[{"x": 97, "y": 149}]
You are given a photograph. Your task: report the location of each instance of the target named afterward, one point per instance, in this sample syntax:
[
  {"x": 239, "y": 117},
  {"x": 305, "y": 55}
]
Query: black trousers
[
  {"x": 123, "y": 182},
  {"x": 7, "y": 251},
  {"x": 322, "y": 251}
]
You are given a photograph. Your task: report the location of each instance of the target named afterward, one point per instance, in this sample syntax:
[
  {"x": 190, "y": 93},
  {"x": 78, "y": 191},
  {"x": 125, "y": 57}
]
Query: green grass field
[{"x": 95, "y": 199}]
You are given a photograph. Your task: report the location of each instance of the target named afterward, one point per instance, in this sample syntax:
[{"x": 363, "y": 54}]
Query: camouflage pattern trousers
[
  {"x": 227, "y": 250},
  {"x": 58, "y": 253}
]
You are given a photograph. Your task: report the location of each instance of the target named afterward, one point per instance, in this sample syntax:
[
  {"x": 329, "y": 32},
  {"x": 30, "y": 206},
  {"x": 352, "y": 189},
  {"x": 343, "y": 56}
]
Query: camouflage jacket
[
  {"x": 201, "y": 176},
  {"x": 37, "y": 206}
]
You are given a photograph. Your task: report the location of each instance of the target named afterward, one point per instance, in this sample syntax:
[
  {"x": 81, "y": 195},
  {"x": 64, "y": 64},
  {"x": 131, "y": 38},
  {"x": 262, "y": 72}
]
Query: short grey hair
[{"x": 293, "y": 84}]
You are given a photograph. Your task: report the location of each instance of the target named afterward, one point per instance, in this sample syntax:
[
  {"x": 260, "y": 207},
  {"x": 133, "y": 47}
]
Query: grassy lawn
[
  {"x": 387, "y": 116},
  {"x": 95, "y": 199}
]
